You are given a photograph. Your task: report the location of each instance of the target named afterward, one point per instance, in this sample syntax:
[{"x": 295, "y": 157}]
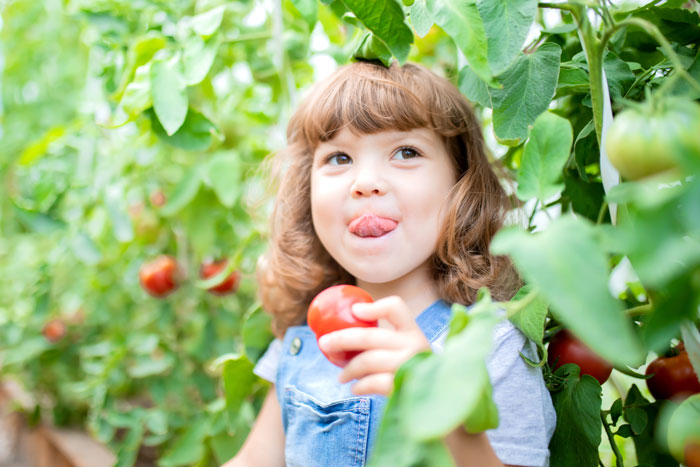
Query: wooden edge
[{"x": 79, "y": 448}]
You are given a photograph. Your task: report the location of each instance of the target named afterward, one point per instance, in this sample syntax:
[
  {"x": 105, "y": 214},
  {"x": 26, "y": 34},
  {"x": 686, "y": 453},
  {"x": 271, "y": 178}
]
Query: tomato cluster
[
  {"x": 330, "y": 311},
  {"x": 162, "y": 276},
  {"x": 566, "y": 348}
]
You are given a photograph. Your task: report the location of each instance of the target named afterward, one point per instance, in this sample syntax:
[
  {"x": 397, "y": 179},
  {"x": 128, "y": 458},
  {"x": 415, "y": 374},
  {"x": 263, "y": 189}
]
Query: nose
[{"x": 368, "y": 182}]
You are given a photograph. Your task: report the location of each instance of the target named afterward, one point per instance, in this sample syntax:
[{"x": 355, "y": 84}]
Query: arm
[
  {"x": 469, "y": 449},
  {"x": 264, "y": 446}
]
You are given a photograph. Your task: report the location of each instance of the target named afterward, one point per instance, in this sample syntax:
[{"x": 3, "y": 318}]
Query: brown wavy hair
[{"x": 368, "y": 98}]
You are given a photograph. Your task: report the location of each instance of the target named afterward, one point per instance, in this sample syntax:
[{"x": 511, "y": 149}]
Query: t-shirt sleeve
[
  {"x": 526, "y": 415},
  {"x": 266, "y": 367}
]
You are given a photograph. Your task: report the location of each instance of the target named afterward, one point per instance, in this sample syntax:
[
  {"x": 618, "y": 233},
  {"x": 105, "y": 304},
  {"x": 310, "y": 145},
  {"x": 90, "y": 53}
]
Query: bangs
[{"x": 368, "y": 98}]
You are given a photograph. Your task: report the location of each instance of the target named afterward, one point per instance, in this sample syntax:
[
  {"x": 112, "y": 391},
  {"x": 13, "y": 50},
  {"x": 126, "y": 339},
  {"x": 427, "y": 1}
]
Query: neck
[{"x": 417, "y": 289}]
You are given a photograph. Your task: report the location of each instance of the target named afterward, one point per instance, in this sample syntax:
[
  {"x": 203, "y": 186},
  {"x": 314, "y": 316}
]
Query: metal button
[{"x": 295, "y": 347}]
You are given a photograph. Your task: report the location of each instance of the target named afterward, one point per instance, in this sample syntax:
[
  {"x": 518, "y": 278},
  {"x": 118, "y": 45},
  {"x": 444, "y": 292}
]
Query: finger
[
  {"x": 393, "y": 309},
  {"x": 373, "y": 361},
  {"x": 378, "y": 383},
  {"x": 361, "y": 339}
]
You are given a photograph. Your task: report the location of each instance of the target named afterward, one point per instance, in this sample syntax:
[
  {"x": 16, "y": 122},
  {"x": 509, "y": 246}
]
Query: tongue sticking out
[{"x": 369, "y": 225}]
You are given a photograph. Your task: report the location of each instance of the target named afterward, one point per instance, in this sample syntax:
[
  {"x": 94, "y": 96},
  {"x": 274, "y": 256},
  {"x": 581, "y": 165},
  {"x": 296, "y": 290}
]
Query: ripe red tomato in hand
[
  {"x": 330, "y": 311},
  {"x": 673, "y": 377},
  {"x": 565, "y": 348},
  {"x": 54, "y": 330},
  {"x": 228, "y": 285},
  {"x": 160, "y": 276}
]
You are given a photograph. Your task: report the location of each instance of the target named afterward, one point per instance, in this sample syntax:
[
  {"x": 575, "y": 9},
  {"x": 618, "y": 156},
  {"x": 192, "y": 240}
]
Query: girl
[{"x": 384, "y": 184}]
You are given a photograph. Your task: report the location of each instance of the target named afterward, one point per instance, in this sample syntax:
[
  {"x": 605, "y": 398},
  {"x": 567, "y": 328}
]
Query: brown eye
[
  {"x": 339, "y": 158},
  {"x": 406, "y": 153}
]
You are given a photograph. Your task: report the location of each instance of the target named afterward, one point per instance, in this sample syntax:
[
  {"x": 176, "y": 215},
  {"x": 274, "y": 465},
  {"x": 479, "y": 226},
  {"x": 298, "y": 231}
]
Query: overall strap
[{"x": 435, "y": 319}]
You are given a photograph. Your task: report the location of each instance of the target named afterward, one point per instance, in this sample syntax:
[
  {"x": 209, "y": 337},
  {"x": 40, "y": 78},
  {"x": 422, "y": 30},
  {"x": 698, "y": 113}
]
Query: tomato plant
[
  {"x": 672, "y": 376},
  {"x": 228, "y": 285},
  {"x": 160, "y": 276},
  {"x": 566, "y": 348},
  {"x": 330, "y": 311},
  {"x": 647, "y": 138}
]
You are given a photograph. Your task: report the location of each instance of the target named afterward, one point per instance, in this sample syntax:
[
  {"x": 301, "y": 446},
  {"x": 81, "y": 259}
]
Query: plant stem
[
  {"x": 601, "y": 213},
  {"x": 249, "y": 37},
  {"x": 558, "y": 6},
  {"x": 654, "y": 32},
  {"x": 639, "y": 310},
  {"x": 613, "y": 445},
  {"x": 532, "y": 216}
]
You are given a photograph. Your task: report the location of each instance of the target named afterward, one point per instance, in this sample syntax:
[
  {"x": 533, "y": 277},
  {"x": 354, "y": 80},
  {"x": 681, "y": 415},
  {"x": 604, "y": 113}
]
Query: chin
[{"x": 375, "y": 275}]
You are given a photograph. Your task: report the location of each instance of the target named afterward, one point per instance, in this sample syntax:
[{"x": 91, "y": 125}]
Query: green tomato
[
  {"x": 647, "y": 139},
  {"x": 408, "y": 2}
]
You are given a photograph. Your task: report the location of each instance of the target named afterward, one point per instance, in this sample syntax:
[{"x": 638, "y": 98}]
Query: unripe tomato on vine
[
  {"x": 647, "y": 138},
  {"x": 330, "y": 311},
  {"x": 160, "y": 276},
  {"x": 228, "y": 285},
  {"x": 566, "y": 348}
]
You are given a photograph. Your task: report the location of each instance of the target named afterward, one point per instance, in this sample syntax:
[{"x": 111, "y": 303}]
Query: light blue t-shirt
[{"x": 325, "y": 424}]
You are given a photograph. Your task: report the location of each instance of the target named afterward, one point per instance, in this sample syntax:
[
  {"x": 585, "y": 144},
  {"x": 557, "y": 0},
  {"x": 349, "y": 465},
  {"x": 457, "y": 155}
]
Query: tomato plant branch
[
  {"x": 654, "y": 32},
  {"x": 613, "y": 444}
]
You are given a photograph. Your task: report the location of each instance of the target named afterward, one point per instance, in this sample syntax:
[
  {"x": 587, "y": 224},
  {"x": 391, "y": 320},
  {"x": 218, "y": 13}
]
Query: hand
[{"x": 383, "y": 350}]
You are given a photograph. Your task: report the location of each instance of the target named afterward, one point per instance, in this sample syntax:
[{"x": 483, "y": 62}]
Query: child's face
[{"x": 376, "y": 200}]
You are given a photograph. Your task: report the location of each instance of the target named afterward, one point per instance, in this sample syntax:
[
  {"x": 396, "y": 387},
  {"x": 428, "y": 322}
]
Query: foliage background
[{"x": 108, "y": 103}]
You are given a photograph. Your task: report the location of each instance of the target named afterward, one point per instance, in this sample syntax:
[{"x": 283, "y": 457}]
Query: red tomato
[
  {"x": 691, "y": 454},
  {"x": 159, "y": 277},
  {"x": 565, "y": 348},
  {"x": 54, "y": 330},
  {"x": 330, "y": 311},
  {"x": 673, "y": 378},
  {"x": 228, "y": 285}
]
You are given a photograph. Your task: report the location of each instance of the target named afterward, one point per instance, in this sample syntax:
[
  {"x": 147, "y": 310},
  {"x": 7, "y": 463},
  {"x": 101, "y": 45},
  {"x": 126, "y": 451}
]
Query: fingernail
[
  {"x": 359, "y": 308},
  {"x": 323, "y": 341}
]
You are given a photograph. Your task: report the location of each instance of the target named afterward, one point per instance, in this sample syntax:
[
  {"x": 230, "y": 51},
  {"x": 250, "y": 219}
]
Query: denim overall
[{"x": 325, "y": 424}]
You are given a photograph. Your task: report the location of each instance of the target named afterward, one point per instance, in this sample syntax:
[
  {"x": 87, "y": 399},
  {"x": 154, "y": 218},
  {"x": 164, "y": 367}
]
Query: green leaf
[
  {"x": 184, "y": 192},
  {"x": 169, "y": 91},
  {"x": 530, "y": 319},
  {"x": 436, "y": 396},
  {"x": 207, "y": 23},
  {"x": 485, "y": 415},
  {"x": 137, "y": 96},
  {"x": 528, "y": 87},
  {"x": 385, "y": 19},
  {"x": 308, "y": 9},
  {"x": 473, "y": 87},
  {"x": 616, "y": 411},
  {"x": 256, "y": 333},
  {"x": 578, "y": 431},
  {"x": 129, "y": 447},
  {"x": 684, "y": 425},
  {"x": 586, "y": 149},
  {"x": 544, "y": 157},
  {"x": 198, "y": 56},
  {"x": 393, "y": 446},
  {"x": 573, "y": 79},
  {"x": 618, "y": 74},
  {"x": 645, "y": 445},
  {"x": 507, "y": 24},
  {"x": 238, "y": 378},
  {"x": 121, "y": 222},
  {"x": 223, "y": 175},
  {"x": 140, "y": 52},
  {"x": 637, "y": 419},
  {"x": 421, "y": 19},
  {"x": 37, "y": 221},
  {"x": 195, "y": 134},
  {"x": 371, "y": 48},
  {"x": 189, "y": 446},
  {"x": 461, "y": 20},
  {"x": 568, "y": 266},
  {"x": 85, "y": 249},
  {"x": 146, "y": 366}
]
